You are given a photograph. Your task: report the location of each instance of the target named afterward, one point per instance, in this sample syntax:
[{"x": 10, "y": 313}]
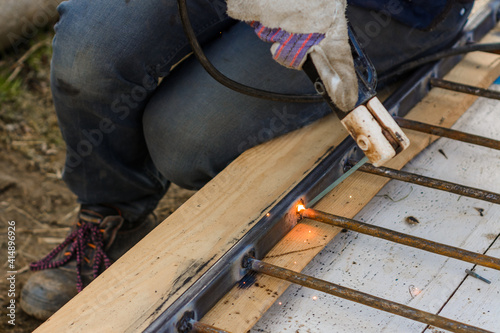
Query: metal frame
[{"x": 226, "y": 272}]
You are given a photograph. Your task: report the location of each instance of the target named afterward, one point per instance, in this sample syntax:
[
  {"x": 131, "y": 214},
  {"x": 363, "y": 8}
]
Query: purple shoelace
[{"x": 87, "y": 234}]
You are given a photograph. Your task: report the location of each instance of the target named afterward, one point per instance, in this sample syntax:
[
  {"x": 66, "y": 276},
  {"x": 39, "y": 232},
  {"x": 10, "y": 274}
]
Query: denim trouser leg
[
  {"x": 108, "y": 55},
  {"x": 126, "y": 137}
]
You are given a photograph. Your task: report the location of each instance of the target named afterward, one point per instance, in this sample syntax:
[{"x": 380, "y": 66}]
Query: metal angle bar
[
  {"x": 447, "y": 133},
  {"x": 437, "y": 184},
  {"x": 464, "y": 88},
  {"x": 401, "y": 238},
  {"x": 360, "y": 297},
  {"x": 268, "y": 230}
]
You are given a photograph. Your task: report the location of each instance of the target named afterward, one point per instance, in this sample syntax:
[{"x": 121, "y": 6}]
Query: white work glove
[{"x": 301, "y": 27}]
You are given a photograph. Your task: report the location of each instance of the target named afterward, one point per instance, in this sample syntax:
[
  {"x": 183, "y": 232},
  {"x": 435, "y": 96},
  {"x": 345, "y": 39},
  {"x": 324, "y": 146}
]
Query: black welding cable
[
  {"x": 236, "y": 86},
  {"x": 438, "y": 56},
  {"x": 224, "y": 80}
]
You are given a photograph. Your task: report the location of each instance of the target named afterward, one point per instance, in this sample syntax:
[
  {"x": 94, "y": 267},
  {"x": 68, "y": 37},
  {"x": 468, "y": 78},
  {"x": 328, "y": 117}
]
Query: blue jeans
[{"x": 128, "y": 137}]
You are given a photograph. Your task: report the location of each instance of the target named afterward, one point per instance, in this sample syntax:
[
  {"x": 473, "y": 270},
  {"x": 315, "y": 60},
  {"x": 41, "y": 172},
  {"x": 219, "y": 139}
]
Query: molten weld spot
[
  {"x": 247, "y": 281},
  {"x": 414, "y": 291}
]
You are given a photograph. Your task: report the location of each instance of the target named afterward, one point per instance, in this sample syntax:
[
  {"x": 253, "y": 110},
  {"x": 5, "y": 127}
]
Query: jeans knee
[{"x": 185, "y": 153}]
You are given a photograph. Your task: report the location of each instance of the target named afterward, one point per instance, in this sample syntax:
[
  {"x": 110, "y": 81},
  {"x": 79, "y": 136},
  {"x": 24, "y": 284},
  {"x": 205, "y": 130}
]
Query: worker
[{"x": 128, "y": 137}]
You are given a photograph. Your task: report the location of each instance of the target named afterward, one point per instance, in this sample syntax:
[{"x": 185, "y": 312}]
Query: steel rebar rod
[
  {"x": 360, "y": 297},
  {"x": 464, "y": 88},
  {"x": 438, "y": 184},
  {"x": 401, "y": 238},
  {"x": 447, "y": 133},
  {"x": 204, "y": 328}
]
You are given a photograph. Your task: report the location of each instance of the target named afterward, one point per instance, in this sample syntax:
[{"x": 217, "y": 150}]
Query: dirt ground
[{"x": 31, "y": 159}]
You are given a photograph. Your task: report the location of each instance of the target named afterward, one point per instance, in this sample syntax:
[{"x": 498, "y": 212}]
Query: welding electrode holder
[{"x": 372, "y": 127}]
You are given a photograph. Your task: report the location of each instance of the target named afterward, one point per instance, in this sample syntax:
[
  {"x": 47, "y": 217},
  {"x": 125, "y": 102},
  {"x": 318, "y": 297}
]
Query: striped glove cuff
[{"x": 289, "y": 49}]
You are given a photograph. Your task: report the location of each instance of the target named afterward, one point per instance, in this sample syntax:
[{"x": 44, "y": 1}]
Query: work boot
[{"x": 100, "y": 236}]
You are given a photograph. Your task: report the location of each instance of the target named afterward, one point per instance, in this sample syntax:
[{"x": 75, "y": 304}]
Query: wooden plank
[
  {"x": 240, "y": 309},
  {"x": 395, "y": 272}
]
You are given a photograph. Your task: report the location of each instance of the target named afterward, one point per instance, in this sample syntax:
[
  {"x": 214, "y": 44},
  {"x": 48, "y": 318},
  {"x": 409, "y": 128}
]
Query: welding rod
[
  {"x": 198, "y": 327},
  {"x": 398, "y": 237},
  {"x": 463, "y": 88},
  {"x": 360, "y": 297},
  {"x": 431, "y": 182},
  {"x": 447, "y": 133}
]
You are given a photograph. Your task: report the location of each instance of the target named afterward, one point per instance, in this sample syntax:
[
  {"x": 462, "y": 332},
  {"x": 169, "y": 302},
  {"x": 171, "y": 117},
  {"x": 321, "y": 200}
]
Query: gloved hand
[{"x": 298, "y": 28}]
